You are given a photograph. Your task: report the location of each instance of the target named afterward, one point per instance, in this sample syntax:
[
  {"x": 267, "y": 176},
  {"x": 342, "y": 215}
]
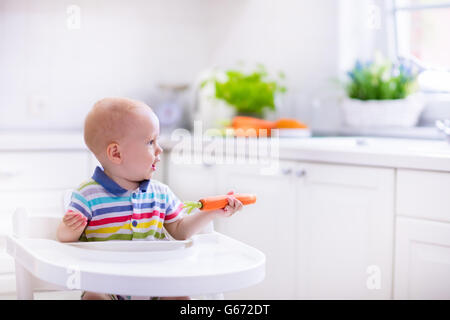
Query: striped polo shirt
[{"x": 115, "y": 213}]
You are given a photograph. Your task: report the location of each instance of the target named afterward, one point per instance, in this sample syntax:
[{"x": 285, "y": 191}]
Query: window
[{"x": 421, "y": 34}]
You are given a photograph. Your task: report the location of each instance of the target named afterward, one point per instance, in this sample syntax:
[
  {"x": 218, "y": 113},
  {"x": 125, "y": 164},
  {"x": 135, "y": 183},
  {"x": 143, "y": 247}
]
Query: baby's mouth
[{"x": 154, "y": 165}]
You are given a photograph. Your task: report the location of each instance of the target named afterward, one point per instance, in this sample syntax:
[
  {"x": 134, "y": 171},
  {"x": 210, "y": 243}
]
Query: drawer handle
[
  {"x": 8, "y": 174},
  {"x": 286, "y": 171},
  {"x": 300, "y": 173}
]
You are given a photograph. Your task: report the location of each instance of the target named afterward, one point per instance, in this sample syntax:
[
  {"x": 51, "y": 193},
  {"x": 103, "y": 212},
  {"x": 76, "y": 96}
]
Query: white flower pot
[{"x": 382, "y": 113}]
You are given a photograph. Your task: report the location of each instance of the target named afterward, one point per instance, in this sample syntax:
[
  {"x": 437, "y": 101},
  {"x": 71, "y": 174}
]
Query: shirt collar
[{"x": 111, "y": 186}]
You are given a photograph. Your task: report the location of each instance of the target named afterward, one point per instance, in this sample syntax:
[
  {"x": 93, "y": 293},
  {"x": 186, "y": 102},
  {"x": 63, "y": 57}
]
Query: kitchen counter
[
  {"x": 380, "y": 152},
  {"x": 368, "y": 151},
  {"x": 430, "y": 133}
]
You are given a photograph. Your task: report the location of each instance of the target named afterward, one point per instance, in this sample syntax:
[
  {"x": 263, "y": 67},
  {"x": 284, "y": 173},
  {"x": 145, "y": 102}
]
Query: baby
[{"x": 121, "y": 201}]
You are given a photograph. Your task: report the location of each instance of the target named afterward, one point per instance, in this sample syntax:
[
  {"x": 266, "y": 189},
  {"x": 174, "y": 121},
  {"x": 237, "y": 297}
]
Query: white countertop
[
  {"x": 383, "y": 152},
  {"x": 373, "y": 151},
  {"x": 380, "y": 152}
]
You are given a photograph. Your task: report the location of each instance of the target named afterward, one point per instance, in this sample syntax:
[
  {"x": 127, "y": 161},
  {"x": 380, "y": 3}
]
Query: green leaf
[
  {"x": 250, "y": 93},
  {"x": 191, "y": 205},
  {"x": 379, "y": 80}
]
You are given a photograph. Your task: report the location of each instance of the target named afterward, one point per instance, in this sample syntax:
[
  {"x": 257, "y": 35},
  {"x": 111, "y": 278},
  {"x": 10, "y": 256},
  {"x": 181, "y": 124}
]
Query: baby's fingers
[
  {"x": 231, "y": 200},
  {"x": 239, "y": 205},
  {"x": 75, "y": 221},
  {"x": 68, "y": 218},
  {"x": 72, "y": 217},
  {"x": 235, "y": 203},
  {"x": 78, "y": 225},
  {"x": 71, "y": 214},
  {"x": 228, "y": 211}
]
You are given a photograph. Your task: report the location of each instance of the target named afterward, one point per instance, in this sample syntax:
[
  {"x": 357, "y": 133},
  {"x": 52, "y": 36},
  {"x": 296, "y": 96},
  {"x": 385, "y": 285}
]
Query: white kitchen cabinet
[
  {"x": 268, "y": 225},
  {"x": 327, "y": 230},
  {"x": 344, "y": 231},
  {"x": 423, "y": 194},
  {"x": 190, "y": 181},
  {"x": 42, "y": 170},
  {"x": 422, "y": 261}
]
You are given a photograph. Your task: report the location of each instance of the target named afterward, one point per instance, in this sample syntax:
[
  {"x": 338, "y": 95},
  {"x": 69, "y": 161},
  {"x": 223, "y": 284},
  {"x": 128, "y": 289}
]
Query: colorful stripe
[
  {"x": 171, "y": 217},
  {"x": 133, "y": 215}
]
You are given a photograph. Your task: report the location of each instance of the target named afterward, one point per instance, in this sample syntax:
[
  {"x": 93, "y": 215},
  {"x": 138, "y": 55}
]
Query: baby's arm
[
  {"x": 187, "y": 226},
  {"x": 71, "y": 227}
]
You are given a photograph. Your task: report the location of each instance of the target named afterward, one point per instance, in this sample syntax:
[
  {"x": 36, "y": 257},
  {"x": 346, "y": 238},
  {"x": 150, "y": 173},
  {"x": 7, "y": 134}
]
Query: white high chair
[{"x": 206, "y": 265}]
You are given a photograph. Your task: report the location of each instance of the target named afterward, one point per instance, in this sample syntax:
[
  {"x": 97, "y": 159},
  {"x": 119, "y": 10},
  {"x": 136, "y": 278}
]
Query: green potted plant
[
  {"x": 252, "y": 94},
  {"x": 382, "y": 94}
]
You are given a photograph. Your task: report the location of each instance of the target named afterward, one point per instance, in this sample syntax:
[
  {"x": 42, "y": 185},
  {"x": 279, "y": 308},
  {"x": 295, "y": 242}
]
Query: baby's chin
[{"x": 148, "y": 176}]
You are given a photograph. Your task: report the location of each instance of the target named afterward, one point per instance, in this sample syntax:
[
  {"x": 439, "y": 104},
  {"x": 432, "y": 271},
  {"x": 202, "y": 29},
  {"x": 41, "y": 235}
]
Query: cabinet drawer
[
  {"x": 42, "y": 170},
  {"x": 423, "y": 194}
]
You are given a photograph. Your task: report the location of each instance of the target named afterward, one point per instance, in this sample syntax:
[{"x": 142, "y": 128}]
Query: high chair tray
[
  {"x": 206, "y": 263},
  {"x": 132, "y": 246}
]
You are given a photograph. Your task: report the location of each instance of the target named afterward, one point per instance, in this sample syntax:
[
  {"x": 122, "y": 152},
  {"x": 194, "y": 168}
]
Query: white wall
[
  {"x": 298, "y": 37},
  {"x": 122, "y": 48},
  {"x": 313, "y": 42},
  {"x": 127, "y": 47}
]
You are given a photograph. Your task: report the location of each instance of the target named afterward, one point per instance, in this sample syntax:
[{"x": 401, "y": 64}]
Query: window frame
[{"x": 395, "y": 9}]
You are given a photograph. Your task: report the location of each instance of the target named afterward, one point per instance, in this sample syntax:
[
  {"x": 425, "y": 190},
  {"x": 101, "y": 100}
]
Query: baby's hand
[
  {"x": 234, "y": 205},
  {"x": 75, "y": 221}
]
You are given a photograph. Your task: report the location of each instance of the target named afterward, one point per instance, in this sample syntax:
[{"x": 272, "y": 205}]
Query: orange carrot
[
  {"x": 242, "y": 121},
  {"x": 242, "y": 124},
  {"x": 220, "y": 202},
  {"x": 289, "y": 123}
]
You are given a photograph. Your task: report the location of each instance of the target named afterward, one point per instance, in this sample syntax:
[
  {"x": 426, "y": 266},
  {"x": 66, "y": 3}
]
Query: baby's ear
[{"x": 113, "y": 153}]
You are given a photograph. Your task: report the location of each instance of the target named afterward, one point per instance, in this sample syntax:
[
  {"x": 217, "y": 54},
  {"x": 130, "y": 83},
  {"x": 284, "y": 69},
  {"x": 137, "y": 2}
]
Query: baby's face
[{"x": 141, "y": 149}]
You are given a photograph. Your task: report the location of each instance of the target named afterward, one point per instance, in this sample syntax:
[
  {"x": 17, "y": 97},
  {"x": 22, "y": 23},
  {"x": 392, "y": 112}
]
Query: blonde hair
[{"x": 108, "y": 121}]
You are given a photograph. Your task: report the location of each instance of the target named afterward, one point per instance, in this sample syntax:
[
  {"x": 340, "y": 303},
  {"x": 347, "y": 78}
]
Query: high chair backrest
[{"x": 27, "y": 225}]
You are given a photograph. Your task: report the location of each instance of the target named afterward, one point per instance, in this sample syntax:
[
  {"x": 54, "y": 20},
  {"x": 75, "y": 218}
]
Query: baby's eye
[{"x": 151, "y": 142}]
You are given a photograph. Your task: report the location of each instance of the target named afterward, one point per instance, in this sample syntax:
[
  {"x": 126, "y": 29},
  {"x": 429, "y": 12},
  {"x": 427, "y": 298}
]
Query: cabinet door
[
  {"x": 344, "y": 231},
  {"x": 422, "y": 261},
  {"x": 191, "y": 181},
  {"x": 267, "y": 225},
  {"x": 30, "y": 171}
]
